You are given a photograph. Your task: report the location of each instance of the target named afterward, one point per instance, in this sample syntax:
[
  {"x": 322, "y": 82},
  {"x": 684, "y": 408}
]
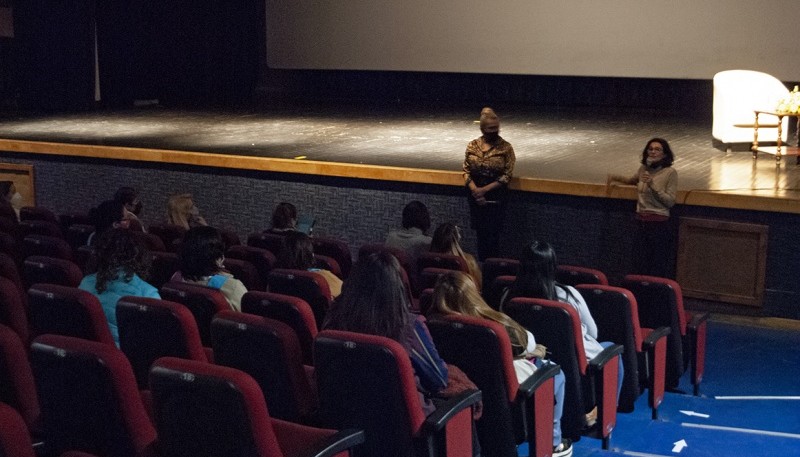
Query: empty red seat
[
  {"x": 68, "y": 311},
  {"x": 50, "y": 270},
  {"x": 204, "y": 409},
  {"x": 292, "y": 311},
  {"x": 150, "y": 328}
]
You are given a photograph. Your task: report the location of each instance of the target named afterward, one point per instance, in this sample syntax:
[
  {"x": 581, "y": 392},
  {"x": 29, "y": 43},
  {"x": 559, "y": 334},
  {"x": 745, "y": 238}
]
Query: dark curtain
[{"x": 56, "y": 53}]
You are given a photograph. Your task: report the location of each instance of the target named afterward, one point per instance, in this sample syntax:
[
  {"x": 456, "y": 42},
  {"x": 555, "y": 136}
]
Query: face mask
[
  {"x": 16, "y": 200},
  {"x": 491, "y": 137}
]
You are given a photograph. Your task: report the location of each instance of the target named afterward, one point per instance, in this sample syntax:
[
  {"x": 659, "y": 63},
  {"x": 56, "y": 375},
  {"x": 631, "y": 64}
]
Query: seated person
[
  {"x": 182, "y": 211},
  {"x": 133, "y": 207},
  {"x": 537, "y": 279},
  {"x": 10, "y": 200},
  {"x": 284, "y": 219},
  {"x": 374, "y": 301},
  {"x": 455, "y": 293},
  {"x": 447, "y": 240},
  {"x": 297, "y": 253},
  {"x": 108, "y": 215},
  {"x": 122, "y": 263},
  {"x": 201, "y": 255},
  {"x": 412, "y": 237}
]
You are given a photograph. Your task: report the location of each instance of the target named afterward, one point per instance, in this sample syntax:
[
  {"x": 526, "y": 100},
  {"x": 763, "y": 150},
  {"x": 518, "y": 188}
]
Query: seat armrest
[
  {"x": 529, "y": 386},
  {"x": 336, "y": 443},
  {"x": 437, "y": 420},
  {"x": 697, "y": 320},
  {"x": 605, "y": 356},
  {"x": 655, "y": 335}
]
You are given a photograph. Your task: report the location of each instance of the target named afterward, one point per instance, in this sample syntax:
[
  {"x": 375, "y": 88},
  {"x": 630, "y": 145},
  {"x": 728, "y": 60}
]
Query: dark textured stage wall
[{"x": 586, "y": 231}]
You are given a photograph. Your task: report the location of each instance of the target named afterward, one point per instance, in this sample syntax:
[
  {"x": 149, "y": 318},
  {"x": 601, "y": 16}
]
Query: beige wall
[{"x": 633, "y": 38}]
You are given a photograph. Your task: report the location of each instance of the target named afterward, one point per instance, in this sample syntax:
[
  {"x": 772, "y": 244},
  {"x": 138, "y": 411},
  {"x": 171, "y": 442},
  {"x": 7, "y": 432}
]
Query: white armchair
[{"x": 737, "y": 93}]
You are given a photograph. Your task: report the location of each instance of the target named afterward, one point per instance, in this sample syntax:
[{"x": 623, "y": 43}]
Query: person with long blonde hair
[
  {"x": 455, "y": 293},
  {"x": 447, "y": 240},
  {"x": 182, "y": 211}
]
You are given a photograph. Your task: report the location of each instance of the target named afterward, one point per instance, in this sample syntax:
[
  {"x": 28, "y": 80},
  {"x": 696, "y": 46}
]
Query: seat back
[
  {"x": 272, "y": 242},
  {"x": 557, "y": 326},
  {"x": 499, "y": 287},
  {"x": 150, "y": 328},
  {"x": 9, "y": 245},
  {"x": 164, "y": 265},
  {"x": 49, "y": 270},
  {"x": 205, "y": 409},
  {"x": 268, "y": 351},
  {"x": 170, "y": 235},
  {"x": 68, "y": 311},
  {"x": 617, "y": 317},
  {"x": 67, "y": 220},
  {"x": 13, "y": 310},
  {"x": 262, "y": 259},
  {"x": 86, "y": 259},
  {"x": 328, "y": 263},
  {"x": 292, "y": 311},
  {"x": 482, "y": 349},
  {"x": 572, "y": 275},
  {"x": 17, "y": 388},
  {"x": 660, "y": 303},
  {"x": 337, "y": 249},
  {"x": 15, "y": 440},
  {"x": 429, "y": 275},
  {"x": 37, "y": 213},
  {"x": 443, "y": 261},
  {"x": 367, "y": 382},
  {"x": 492, "y": 268},
  {"x": 499, "y": 266},
  {"x": 40, "y": 227},
  {"x": 77, "y": 235},
  {"x": 89, "y": 398},
  {"x": 9, "y": 270},
  {"x": 307, "y": 285},
  {"x": 44, "y": 245},
  {"x": 229, "y": 238},
  {"x": 203, "y": 303},
  {"x": 150, "y": 241},
  {"x": 246, "y": 272}
]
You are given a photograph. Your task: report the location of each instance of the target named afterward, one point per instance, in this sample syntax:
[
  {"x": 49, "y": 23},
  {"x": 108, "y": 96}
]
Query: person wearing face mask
[
  {"x": 488, "y": 165},
  {"x": 133, "y": 207},
  {"x": 657, "y": 186},
  {"x": 11, "y": 201}
]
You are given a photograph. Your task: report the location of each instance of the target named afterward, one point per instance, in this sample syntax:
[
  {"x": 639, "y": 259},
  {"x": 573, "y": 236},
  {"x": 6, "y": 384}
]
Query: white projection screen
[{"x": 690, "y": 39}]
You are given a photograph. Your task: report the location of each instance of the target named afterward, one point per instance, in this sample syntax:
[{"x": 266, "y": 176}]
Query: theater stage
[{"x": 558, "y": 151}]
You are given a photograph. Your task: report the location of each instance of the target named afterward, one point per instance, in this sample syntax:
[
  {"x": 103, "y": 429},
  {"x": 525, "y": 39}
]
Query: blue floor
[{"x": 740, "y": 361}]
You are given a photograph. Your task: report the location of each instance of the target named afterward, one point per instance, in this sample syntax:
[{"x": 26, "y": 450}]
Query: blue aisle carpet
[{"x": 740, "y": 361}]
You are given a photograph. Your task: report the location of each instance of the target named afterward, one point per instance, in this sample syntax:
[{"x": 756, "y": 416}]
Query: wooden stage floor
[{"x": 568, "y": 152}]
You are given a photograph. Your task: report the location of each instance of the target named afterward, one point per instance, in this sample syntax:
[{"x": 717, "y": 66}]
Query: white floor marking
[
  {"x": 755, "y": 397},
  {"x": 742, "y": 430}
]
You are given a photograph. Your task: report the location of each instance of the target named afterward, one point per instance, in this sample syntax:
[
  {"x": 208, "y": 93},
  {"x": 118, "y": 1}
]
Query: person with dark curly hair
[
  {"x": 122, "y": 265},
  {"x": 201, "y": 262}
]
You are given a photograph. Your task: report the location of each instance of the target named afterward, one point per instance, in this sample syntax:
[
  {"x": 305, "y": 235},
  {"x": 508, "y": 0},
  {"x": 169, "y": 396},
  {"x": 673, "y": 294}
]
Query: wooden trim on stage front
[{"x": 709, "y": 198}]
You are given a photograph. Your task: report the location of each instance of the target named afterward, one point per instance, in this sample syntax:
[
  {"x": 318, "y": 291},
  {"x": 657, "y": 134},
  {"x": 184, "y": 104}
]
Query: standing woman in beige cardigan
[{"x": 657, "y": 185}]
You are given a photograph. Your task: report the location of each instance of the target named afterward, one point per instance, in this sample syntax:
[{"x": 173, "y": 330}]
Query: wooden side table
[{"x": 780, "y": 149}]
